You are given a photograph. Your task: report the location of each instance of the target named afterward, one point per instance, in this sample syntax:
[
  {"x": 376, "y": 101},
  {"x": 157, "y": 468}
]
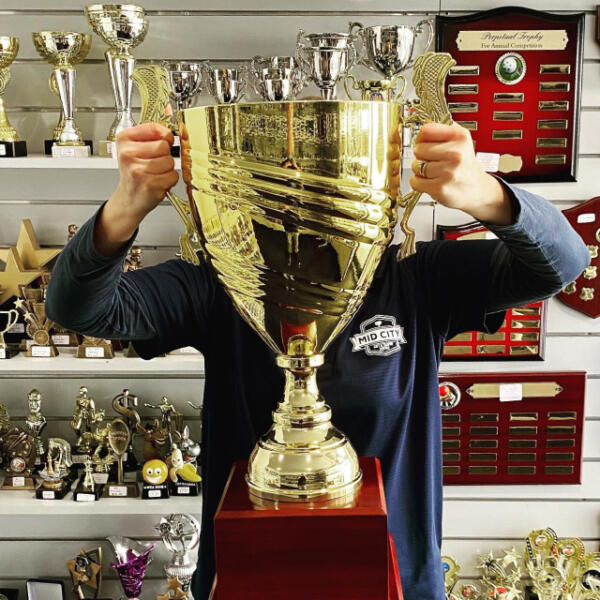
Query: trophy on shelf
[
  {"x": 56, "y": 474},
  {"x": 19, "y": 449},
  {"x": 171, "y": 419},
  {"x": 87, "y": 490},
  {"x": 124, "y": 404},
  {"x": 133, "y": 558},
  {"x": 180, "y": 534},
  {"x": 10, "y": 144},
  {"x": 587, "y": 586},
  {"x": 325, "y": 58},
  {"x": 122, "y": 27},
  {"x": 118, "y": 438},
  {"x": 36, "y": 422},
  {"x": 502, "y": 577},
  {"x": 388, "y": 50},
  {"x": 154, "y": 475},
  {"x": 94, "y": 347},
  {"x": 277, "y": 78},
  {"x": 8, "y": 319},
  {"x": 155, "y": 439},
  {"x": 64, "y": 49},
  {"x": 226, "y": 86},
  {"x": 183, "y": 476},
  {"x": 83, "y": 422},
  {"x": 86, "y": 573}
]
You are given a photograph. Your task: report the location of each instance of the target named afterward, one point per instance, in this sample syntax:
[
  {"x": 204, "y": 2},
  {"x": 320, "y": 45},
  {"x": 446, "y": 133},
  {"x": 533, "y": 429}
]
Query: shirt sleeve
[
  {"x": 470, "y": 284},
  {"x": 160, "y": 308}
]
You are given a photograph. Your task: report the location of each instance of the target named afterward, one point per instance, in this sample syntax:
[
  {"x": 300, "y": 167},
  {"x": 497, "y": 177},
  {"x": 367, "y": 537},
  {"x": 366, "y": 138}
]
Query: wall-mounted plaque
[
  {"x": 522, "y": 335},
  {"x": 512, "y": 427},
  {"x": 583, "y": 294},
  {"x": 517, "y": 84}
]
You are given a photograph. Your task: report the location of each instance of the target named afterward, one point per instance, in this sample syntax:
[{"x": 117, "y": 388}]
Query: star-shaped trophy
[
  {"x": 86, "y": 572},
  {"x": 174, "y": 591}
]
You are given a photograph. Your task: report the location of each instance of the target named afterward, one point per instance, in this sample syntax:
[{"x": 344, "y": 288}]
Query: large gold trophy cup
[{"x": 293, "y": 205}]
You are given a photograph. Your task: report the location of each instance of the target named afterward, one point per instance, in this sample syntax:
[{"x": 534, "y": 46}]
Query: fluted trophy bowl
[
  {"x": 9, "y": 48},
  {"x": 293, "y": 205},
  {"x": 62, "y": 48},
  {"x": 121, "y": 26}
]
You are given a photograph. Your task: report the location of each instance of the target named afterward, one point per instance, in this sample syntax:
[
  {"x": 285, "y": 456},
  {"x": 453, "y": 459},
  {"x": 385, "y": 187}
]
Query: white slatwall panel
[{"x": 36, "y": 538}]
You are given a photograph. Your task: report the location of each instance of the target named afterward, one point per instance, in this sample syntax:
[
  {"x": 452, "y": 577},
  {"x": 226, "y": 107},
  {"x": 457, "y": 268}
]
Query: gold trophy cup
[
  {"x": 10, "y": 145},
  {"x": 293, "y": 204}
]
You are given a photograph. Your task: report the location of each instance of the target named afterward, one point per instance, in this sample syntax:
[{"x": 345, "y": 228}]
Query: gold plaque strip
[
  {"x": 530, "y": 389},
  {"x": 525, "y": 337},
  {"x": 484, "y": 417},
  {"x": 491, "y": 337},
  {"x": 450, "y": 430},
  {"x": 446, "y": 418},
  {"x": 483, "y": 456},
  {"x": 553, "y": 105},
  {"x": 562, "y": 416},
  {"x": 457, "y": 350},
  {"x": 509, "y": 97},
  {"x": 451, "y": 470},
  {"x": 462, "y": 337},
  {"x": 507, "y": 134},
  {"x": 524, "y": 350},
  {"x": 483, "y": 444},
  {"x": 451, "y": 456},
  {"x": 522, "y": 456},
  {"x": 496, "y": 349},
  {"x": 522, "y": 430},
  {"x": 522, "y": 443},
  {"x": 551, "y": 142},
  {"x": 526, "y": 310},
  {"x": 559, "y": 469},
  {"x": 554, "y": 86},
  {"x": 460, "y": 70},
  {"x": 450, "y": 444},
  {"x": 550, "y": 159},
  {"x": 564, "y": 443},
  {"x": 523, "y": 416},
  {"x": 508, "y": 115},
  {"x": 483, "y": 430},
  {"x": 470, "y": 125},
  {"x": 562, "y": 69},
  {"x": 463, "y": 107},
  {"x": 560, "y": 429},
  {"x": 560, "y": 456},
  {"x": 455, "y": 89},
  {"x": 553, "y": 124},
  {"x": 525, "y": 323},
  {"x": 514, "y": 470},
  {"x": 483, "y": 470}
]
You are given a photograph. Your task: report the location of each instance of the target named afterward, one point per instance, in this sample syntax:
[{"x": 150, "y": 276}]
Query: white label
[
  {"x": 117, "y": 490},
  {"x": 2, "y": 150},
  {"x": 48, "y": 495},
  {"x": 153, "y": 493},
  {"x": 2, "y": 353},
  {"x": 17, "y": 328},
  {"x": 511, "y": 392},
  {"x": 18, "y": 481},
  {"x": 176, "y": 141},
  {"x": 40, "y": 351},
  {"x": 85, "y": 497},
  {"x": 586, "y": 218},
  {"x": 409, "y": 152},
  {"x": 100, "y": 478},
  {"x": 78, "y": 458},
  {"x": 182, "y": 491},
  {"x": 490, "y": 161},
  {"x": 111, "y": 148},
  {"x": 94, "y": 352},
  {"x": 61, "y": 339}
]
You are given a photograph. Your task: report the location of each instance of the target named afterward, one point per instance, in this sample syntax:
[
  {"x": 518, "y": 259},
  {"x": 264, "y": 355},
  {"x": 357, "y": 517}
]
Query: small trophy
[
  {"x": 501, "y": 581},
  {"x": 8, "y": 319},
  {"x": 32, "y": 306},
  {"x": 124, "y": 404},
  {"x": 183, "y": 477},
  {"x": 180, "y": 534},
  {"x": 93, "y": 347},
  {"x": 36, "y": 422},
  {"x": 56, "y": 472},
  {"x": 325, "y": 58},
  {"x": 133, "y": 558},
  {"x": 133, "y": 262},
  {"x": 63, "y": 50},
  {"x": 19, "y": 449},
  {"x": 451, "y": 570},
  {"x": 170, "y": 418},
  {"x": 118, "y": 440},
  {"x": 122, "y": 27},
  {"x": 277, "y": 78},
  {"x": 154, "y": 474},
  {"x": 226, "y": 86},
  {"x": 155, "y": 439},
  {"x": 588, "y": 582},
  {"x": 10, "y": 145},
  {"x": 86, "y": 573},
  {"x": 83, "y": 422},
  {"x": 87, "y": 489}
]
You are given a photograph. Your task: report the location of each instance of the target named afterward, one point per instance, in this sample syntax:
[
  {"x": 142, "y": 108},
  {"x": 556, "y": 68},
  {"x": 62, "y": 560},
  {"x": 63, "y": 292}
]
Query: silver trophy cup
[
  {"x": 277, "y": 78},
  {"x": 226, "y": 86},
  {"x": 185, "y": 79}
]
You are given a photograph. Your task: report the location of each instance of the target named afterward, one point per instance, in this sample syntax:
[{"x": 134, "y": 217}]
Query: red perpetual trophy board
[
  {"x": 336, "y": 550},
  {"x": 517, "y": 428},
  {"x": 583, "y": 294},
  {"x": 522, "y": 334},
  {"x": 516, "y": 86}
]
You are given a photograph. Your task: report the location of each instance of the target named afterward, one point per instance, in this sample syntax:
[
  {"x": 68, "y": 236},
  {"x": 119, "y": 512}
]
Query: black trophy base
[
  {"x": 8, "y": 352},
  {"x": 44, "y": 494},
  {"x": 13, "y": 149},
  {"x": 82, "y": 495},
  {"x": 120, "y": 490},
  {"x": 184, "y": 488},
  {"x": 49, "y": 143},
  {"x": 155, "y": 492}
]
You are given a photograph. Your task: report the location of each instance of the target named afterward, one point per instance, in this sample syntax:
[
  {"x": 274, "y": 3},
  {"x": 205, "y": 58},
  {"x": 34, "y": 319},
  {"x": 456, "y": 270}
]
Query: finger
[
  {"x": 146, "y": 132},
  {"x": 151, "y": 149},
  {"x": 437, "y": 132},
  {"x": 167, "y": 180},
  {"x": 432, "y": 151},
  {"x": 430, "y": 169},
  {"x": 426, "y": 186},
  {"x": 157, "y": 166}
]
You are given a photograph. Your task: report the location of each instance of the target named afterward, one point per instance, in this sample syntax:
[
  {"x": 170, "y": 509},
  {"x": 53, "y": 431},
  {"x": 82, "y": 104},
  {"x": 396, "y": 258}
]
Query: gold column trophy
[
  {"x": 10, "y": 144},
  {"x": 124, "y": 404},
  {"x": 293, "y": 205},
  {"x": 122, "y": 27},
  {"x": 63, "y": 50}
]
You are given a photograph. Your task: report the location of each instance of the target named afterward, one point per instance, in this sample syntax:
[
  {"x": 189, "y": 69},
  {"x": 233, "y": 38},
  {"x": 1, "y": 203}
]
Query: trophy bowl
[
  {"x": 277, "y": 78},
  {"x": 121, "y": 26},
  {"x": 226, "y": 86},
  {"x": 185, "y": 79},
  {"x": 9, "y": 48},
  {"x": 62, "y": 48}
]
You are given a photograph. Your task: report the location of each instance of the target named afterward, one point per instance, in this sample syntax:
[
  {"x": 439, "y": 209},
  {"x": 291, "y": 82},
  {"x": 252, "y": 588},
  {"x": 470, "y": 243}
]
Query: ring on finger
[{"x": 423, "y": 169}]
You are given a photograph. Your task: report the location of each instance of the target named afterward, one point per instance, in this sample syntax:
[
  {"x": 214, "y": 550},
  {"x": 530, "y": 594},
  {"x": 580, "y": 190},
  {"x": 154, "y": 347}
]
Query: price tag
[
  {"x": 119, "y": 491},
  {"x": 2, "y": 150},
  {"x": 18, "y": 481},
  {"x": 100, "y": 478},
  {"x": 94, "y": 352},
  {"x": 17, "y": 328},
  {"x": 511, "y": 392},
  {"x": 183, "y": 491},
  {"x": 61, "y": 339},
  {"x": 85, "y": 497},
  {"x": 43, "y": 351},
  {"x": 48, "y": 495},
  {"x": 2, "y": 353},
  {"x": 586, "y": 218},
  {"x": 153, "y": 493}
]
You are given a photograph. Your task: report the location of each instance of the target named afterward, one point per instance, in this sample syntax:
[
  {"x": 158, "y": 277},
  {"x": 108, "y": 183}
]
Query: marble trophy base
[
  {"x": 84, "y": 151},
  {"x": 13, "y": 149},
  {"x": 184, "y": 488},
  {"x": 155, "y": 492},
  {"x": 48, "y": 145},
  {"x": 107, "y": 149}
]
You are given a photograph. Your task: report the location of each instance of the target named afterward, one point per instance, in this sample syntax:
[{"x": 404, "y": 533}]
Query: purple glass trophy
[{"x": 133, "y": 558}]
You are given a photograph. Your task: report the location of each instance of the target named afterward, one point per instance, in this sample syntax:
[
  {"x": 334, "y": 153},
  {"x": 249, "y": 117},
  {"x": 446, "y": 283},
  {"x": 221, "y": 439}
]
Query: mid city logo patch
[{"x": 379, "y": 336}]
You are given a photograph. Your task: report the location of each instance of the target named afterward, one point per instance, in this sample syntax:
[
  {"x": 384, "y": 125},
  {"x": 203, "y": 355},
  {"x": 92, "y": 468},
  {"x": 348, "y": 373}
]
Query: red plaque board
[
  {"x": 522, "y": 334},
  {"x": 512, "y": 427},
  {"x": 328, "y": 551},
  {"x": 583, "y": 294},
  {"x": 516, "y": 87}
]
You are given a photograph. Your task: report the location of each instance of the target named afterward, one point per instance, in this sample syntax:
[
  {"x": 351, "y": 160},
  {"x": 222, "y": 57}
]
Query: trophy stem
[
  {"x": 120, "y": 67},
  {"x": 328, "y": 93},
  {"x": 303, "y": 456},
  {"x": 7, "y": 131},
  {"x": 65, "y": 83}
]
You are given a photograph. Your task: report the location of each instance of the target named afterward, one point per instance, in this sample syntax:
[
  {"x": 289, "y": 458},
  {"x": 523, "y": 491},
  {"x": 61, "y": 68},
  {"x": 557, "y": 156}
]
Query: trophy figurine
[
  {"x": 226, "y": 86},
  {"x": 122, "y": 27},
  {"x": 36, "y": 422},
  {"x": 133, "y": 558},
  {"x": 170, "y": 418},
  {"x": 118, "y": 438},
  {"x": 8, "y": 319},
  {"x": 19, "y": 450},
  {"x": 56, "y": 472},
  {"x": 124, "y": 404},
  {"x": 277, "y": 78},
  {"x": 84, "y": 418},
  {"x": 87, "y": 489},
  {"x": 297, "y": 268},
  {"x": 86, "y": 573},
  {"x": 180, "y": 534},
  {"x": 64, "y": 49},
  {"x": 10, "y": 145},
  {"x": 31, "y": 304},
  {"x": 588, "y": 582},
  {"x": 183, "y": 476}
]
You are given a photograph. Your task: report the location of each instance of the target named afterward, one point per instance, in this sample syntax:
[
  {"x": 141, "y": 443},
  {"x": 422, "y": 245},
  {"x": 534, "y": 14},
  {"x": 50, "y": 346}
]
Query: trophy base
[
  {"x": 103, "y": 350},
  {"x": 129, "y": 351},
  {"x": 48, "y": 145},
  {"x": 16, "y": 482},
  {"x": 83, "y": 495},
  {"x": 13, "y": 149},
  {"x": 8, "y": 352},
  {"x": 184, "y": 488},
  {"x": 84, "y": 151},
  {"x": 120, "y": 490},
  {"x": 35, "y": 351},
  {"x": 155, "y": 492},
  {"x": 107, "y": 149},
  {"x": 44, "y": 494}
]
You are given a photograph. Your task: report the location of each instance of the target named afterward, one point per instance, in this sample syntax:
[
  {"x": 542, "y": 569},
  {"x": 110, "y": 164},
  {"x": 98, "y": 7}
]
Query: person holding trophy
[{"x": 383, "y": 317}]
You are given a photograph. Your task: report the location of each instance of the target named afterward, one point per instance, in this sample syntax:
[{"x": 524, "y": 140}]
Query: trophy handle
[
  {"x": 355, "y": 85},
  {"x": 429, "y": 77},
  {"x": 419, "y": 29},
  {"x": 152, "y": 82},
  {"x": 400, "y": 92}
]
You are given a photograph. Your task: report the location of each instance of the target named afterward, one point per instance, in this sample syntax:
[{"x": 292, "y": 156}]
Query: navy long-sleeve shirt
[{"x": 384, "y": 397}]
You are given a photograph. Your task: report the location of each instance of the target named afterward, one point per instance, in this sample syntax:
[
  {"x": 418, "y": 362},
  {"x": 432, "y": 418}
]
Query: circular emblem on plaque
[
  {"x": 510, "y": 68},
  {"x": 41, "y": 337},
  {"x": 17, "y": 464},
  {"x": 449, "y": 395}
]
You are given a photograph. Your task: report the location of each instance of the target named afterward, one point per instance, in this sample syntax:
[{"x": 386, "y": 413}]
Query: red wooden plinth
[{"x": 319, "y": 550}]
